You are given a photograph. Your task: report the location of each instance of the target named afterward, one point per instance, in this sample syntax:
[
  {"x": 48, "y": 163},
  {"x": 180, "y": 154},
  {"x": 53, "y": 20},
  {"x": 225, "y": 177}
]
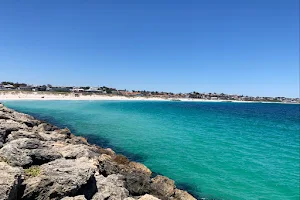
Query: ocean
[{"x": 214, "y": 150}]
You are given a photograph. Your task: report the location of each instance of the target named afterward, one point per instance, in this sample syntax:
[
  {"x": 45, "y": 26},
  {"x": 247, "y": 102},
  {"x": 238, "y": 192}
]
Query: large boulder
[
  {"x": 44, "y": 127},
  {"x": 25, "y": 152},
  {"x": 182, "y": 195},
  {"x": 112, "y": 164},
  {"x": 61, "y": 178},
  {"x": 162, "y": 187},
  {"x": 148, "y": 197},
  {"x": 110, "y": 188},
  {"x": 22, "y": 134},
  {"x": 11, "y": 125},
  {"x": 3, "y": 136},
  {"x": 71, "y": 151},
  {"x": 137, "y": 183},
  {"x": 10, "y": 182},
  {"x": 53, "y": 135},
  {"x": 29, "y": 121},
  {"x": 79, "y": 197},
  {"x": 137, "y": 176}
]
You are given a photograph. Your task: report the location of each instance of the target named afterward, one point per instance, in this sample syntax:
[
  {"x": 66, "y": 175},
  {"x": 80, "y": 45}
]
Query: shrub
[
  {"x": 33, "y": 171},
  {"x": 120, "y": 159}
]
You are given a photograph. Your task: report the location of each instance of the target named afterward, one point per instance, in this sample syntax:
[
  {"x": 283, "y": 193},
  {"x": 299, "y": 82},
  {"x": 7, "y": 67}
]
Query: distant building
[
  {"x": 25, "y": 88},
  {"x": 94, "y": 89},
  {"x": 8, "y": 87},
  {"x": 61, "y": 89}
]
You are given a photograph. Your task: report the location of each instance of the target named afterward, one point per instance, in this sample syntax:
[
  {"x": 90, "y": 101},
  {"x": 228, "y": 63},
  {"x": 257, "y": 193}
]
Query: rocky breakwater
[{"x": 40, "y": 161}]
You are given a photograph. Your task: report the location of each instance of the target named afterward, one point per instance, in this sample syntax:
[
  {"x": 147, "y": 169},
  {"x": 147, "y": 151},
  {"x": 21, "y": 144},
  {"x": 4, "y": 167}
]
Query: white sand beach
[
  {"x": 43, "y": 96},
  {"x": 13, "y": 95}
]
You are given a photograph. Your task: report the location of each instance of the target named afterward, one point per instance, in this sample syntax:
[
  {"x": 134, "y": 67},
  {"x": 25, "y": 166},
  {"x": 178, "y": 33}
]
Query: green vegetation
[
  {"x": 120, "y": 159},
  {"x": 33, "y": 171}
]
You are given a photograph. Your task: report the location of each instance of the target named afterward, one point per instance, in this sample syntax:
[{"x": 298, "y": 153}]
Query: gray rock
[
  {"x": 23, "y": 134},
  {"x": 182, "y": 195},
  {"x": 10, "y": 182},
  {"x": 137, "y": 183},
  {"x": 148, "y": 197},
  {"x": 137, "y": 176},
  {"x": 110, "y": 188},
  {"x": 62, "y": 178},
  {"x": 26, "y": 152},
  {"x": 11, "y": 125},
  {"x": 3, "y": 136},
  {"x": 162, "y": 187},
  {"x": 44, "y": 127},
  {"x": 80, "y": 197},
  {"x": 71, "y": 151},
  {"x": 56, "y": 135}
]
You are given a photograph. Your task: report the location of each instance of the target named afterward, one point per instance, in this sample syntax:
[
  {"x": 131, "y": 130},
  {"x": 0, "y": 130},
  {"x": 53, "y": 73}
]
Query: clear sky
[{"x": 248, "y": 47}]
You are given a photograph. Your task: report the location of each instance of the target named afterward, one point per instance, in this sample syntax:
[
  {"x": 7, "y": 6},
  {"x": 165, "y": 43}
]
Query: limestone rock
[
  {"x": 22, "y": 134},
  {"x": 55, "y": 135},
  {"x": 71, "y": 151},
  {"x": 79, "y": 197},
  {"x": 137, "y": 180},
  {"x": 110, "y": 188},
  {"x": 137, "y": 183},
  {"x": 162, "y": 187},
  {"x": 182, "y": 195},
  {"x": 10, "y": 182},
  {"x": 140, "y": 167},
  {"x": 27, "y": 152},
  {"x": 62, "y": 178},
  {"x": 44, "y": 127},
  {"x": 148, "y": 197}
]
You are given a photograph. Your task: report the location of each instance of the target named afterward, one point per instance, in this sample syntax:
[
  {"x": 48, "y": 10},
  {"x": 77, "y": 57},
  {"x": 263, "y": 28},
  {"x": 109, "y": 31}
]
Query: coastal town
[{"x": 103, "y": 90}]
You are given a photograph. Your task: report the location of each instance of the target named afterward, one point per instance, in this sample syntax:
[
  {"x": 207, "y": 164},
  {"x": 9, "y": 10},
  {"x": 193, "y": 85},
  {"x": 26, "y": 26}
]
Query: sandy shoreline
[{"x": 44, "y": 96}]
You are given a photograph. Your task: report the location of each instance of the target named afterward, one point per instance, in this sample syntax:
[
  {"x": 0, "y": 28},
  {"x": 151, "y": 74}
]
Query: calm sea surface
[{"x": 216, "y": 150}]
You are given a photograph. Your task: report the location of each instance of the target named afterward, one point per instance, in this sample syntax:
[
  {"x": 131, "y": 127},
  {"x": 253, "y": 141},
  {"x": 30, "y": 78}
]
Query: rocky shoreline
[{"x": 40, "y": 161}]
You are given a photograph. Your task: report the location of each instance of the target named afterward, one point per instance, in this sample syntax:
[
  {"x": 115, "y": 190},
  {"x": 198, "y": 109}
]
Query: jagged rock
[
  {"x": 148, "y": 197},
  {"x": 137, "y": 176},
  {"x": 113, "y": 164},
  {"x": 107, "y": 166},
  {"x": 76, "y": 140},
  {"x": 182, "y": 195},
  {"x": 162, "y": 187},
  {"x": 62, "y": 178},
  {"x": 110, "y": 188},
  {"x": 80, "y": 197},
  {"x": 11, "y": 125},
  {"x": 3, "y": 136},
  {"x": 3, "y": 115},
  {"x": 44, "y": 127},
  {"x": 27, "y": 152},
  {"x": 137, "y": 183},
  {"x": 71, "y": 151},
  {"x": 10, "y": 182},
  {"x": 56, "y": 135},
  {"x": 6, "y": 113},
  {"x": 140, "y": 167},
  {"x": 22, "y": 134}
]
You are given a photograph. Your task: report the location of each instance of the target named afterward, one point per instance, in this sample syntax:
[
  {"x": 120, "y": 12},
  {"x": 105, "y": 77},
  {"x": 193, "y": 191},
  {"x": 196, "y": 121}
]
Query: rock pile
[{"x": 40, "y": 161}]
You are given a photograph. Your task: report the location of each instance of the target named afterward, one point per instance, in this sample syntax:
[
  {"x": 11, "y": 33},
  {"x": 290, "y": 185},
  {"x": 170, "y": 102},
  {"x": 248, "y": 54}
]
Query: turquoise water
[{"x": 216, "y": 150}]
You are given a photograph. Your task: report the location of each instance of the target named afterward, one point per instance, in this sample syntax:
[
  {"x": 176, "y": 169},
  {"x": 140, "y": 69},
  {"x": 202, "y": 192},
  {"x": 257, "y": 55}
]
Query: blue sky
[{"x": 248, "y": 47}]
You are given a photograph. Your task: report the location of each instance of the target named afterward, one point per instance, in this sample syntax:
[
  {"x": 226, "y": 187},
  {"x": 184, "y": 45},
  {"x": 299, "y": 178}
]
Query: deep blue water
[{"x": 217, "y": 150}]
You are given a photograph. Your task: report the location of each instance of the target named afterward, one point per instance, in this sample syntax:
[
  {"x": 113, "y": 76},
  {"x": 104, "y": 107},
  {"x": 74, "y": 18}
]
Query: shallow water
[{"x": 216, "y": 150}]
